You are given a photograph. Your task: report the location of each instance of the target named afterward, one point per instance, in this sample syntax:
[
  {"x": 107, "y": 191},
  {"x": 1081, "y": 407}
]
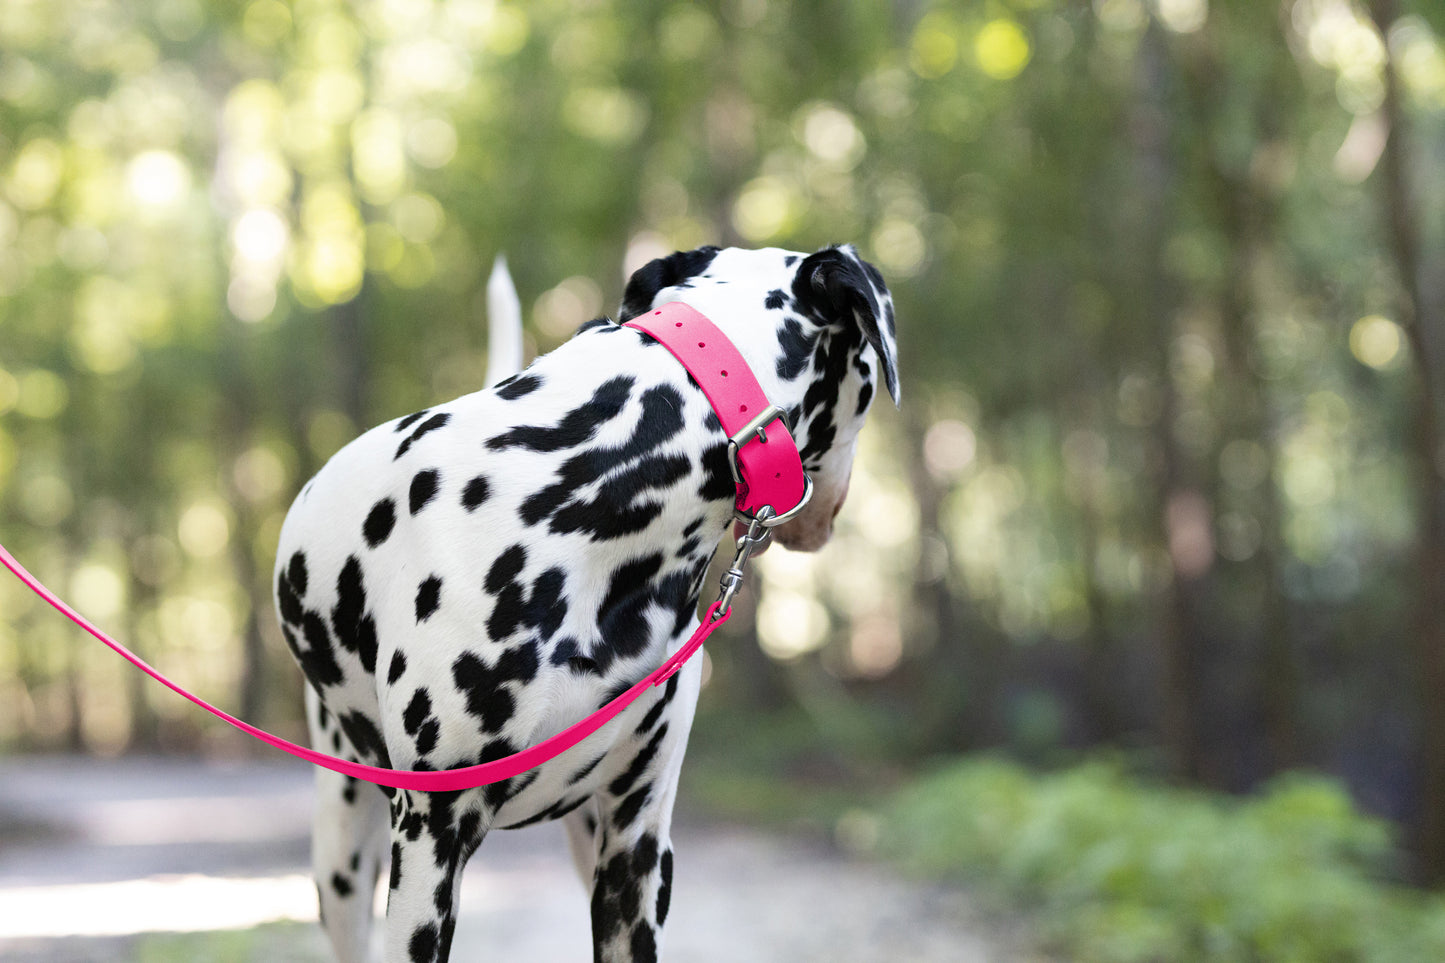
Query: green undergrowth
[
  {"x": 1115, "y": 869},
  {"x": 268, "y": 943},
  {"x": 774, "y": 769}
]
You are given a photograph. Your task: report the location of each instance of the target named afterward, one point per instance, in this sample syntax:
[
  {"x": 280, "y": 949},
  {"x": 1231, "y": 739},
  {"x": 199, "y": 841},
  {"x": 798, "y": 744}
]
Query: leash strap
[
  {"x": 768, "y": 471},
  {"x": 433, "y": 781}
]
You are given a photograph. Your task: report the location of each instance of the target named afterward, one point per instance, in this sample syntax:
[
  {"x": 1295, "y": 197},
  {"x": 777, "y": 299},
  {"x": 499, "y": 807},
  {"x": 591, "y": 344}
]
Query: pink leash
[{"x": 733, "y": 393}]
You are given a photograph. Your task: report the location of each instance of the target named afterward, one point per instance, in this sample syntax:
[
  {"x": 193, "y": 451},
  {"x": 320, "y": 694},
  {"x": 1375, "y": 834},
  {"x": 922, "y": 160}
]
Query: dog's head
[{"x": 817, "y": 330}]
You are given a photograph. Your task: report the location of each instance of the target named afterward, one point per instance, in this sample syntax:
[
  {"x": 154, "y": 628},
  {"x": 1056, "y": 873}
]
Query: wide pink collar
[{"x": 764, "y": 458}]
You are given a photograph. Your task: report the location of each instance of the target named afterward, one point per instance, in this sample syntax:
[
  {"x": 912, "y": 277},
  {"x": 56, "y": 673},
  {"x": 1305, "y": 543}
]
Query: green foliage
[
  {"x": 1121, "y": 870},
  {"x": 271, "y": 943}
]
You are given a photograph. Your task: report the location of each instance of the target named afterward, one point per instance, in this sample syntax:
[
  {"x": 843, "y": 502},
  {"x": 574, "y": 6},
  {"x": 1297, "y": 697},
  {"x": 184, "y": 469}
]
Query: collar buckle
[{"x": 755, "y": 429}]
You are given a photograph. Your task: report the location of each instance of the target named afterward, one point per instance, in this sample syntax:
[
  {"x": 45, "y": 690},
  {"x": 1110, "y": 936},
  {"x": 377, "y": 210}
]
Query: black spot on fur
[
  {"x": 555, "y": 811},
  {"x": 717, "y": 477},
  {"x": 398, "y": 666},
  {"x": 365, "y": 737},
  {"x": 423, "y": 944},
  {"x": 576, "y": 427},
  {"x": 431, "y": 424},
  {"x": 664, "y": 892},
  {"x": 318, "y": 659},
  {"x": 655, "y": 713},
  {"x": 865, "y": 396},
  {"x": 631, "y": 807},
  {"x": 428, "y": 596},
  {"x": 623, "y": 783},
  {"x": 563, "y": 651},
  {"x": 614, "y": 891},
  {"x": 644, "y": 855},
  {"x": 341, "y": 885},
  {"x": 506, "y": 568},
  {"x": 426, "y": 736},
  {"x": 484, "y": 686},
  {"x": 416, "y": 711},
  {"x": 630, "y": 469},
  {"x": 423, "y": 489},
  {"x": 585, "y": 771},
  {"x": 547, "y": 607},
  {"x": 797, "y": 349},
  {"x": 621, "y": 617},
  {"x": 518, "y": 386},
  {"x": 775, "y": 299},
  {"x": 475, "y": 493},
  {"x": 379, "y": 522},
  {"x": 296, "y": 572},
  {"x": 644, "y": 943},
  {"x": 411, "y": 419},
  {"x": 355, "y": 630},
  {"x": 288, "y": 600}
]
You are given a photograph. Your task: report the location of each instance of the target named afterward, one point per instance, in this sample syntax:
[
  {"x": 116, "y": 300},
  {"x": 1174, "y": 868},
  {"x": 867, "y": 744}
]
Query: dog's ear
[
  {"x": 839, "y": 287},
  {"x": 664, "y": 272}
]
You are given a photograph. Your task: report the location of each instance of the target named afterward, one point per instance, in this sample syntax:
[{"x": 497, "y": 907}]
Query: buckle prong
[{"x": 757, "y": 428}]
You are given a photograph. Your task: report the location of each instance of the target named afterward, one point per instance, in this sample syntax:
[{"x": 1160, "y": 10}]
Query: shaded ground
[{"x": 159, "y": 860}]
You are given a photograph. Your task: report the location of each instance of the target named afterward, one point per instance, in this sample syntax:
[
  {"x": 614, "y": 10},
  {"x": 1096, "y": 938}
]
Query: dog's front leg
[{"x": 429, "y": 849}]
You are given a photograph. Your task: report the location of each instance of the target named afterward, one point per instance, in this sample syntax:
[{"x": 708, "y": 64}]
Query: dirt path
[{"x": 96, "y": 858}]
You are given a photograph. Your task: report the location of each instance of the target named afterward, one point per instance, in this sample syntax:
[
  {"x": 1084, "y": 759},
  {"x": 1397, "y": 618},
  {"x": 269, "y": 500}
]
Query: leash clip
[{"x": 732, "y": 579}]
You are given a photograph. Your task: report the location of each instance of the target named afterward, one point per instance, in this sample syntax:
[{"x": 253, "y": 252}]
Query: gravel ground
[{"x": 158, "y": 860}]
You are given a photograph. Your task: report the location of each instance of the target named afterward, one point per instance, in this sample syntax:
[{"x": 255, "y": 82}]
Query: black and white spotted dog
[{"x": 463, "y": 582}]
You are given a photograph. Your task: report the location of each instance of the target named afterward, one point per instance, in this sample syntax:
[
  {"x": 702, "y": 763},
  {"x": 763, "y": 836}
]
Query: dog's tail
[{"x": 504, "y": 324}]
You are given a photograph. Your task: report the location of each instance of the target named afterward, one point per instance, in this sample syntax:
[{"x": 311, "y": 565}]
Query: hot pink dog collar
[{"x": 762, "y": 454}]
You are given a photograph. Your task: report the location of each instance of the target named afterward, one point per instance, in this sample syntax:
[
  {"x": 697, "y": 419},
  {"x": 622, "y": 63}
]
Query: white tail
[{"x": 504, "y": 324}]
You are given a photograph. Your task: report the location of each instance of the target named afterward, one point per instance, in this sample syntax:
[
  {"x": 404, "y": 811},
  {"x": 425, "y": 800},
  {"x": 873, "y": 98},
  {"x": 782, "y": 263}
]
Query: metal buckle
[{"x": 757, "y": 428}]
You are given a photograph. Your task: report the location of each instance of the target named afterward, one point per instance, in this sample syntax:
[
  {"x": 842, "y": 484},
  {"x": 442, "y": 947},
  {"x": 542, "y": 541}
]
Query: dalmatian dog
[{"x": 461, "y": 583}]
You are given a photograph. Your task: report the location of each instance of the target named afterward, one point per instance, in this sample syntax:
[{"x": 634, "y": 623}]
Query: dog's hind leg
[
  {"x": 632, "y": 885},
  {"x": 348, "y": 846}
]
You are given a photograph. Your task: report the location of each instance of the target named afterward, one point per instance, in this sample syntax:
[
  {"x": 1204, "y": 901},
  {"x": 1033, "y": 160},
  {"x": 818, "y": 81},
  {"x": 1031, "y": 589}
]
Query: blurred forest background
[{"x": 1166, "y": 483}]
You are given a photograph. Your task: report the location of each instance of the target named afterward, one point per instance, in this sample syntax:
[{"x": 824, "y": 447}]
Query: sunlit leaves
[
  {"x": 1376, "y": 341},
  {"x": 766, "y": 208},
  {"x": 1001, "y": 49},
  {"x": 34, "y": 174}
]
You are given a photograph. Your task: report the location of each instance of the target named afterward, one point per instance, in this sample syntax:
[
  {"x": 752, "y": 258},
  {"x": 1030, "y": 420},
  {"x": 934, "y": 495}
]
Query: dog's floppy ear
[
  {"x": 664, "y": 272},
  {"x": 839, "y": 287}
]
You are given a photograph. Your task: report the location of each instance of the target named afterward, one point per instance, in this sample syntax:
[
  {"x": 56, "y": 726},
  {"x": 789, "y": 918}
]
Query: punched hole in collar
[
  {"x": 702, "y": 344},
  {"x": 725, "y": 372}
]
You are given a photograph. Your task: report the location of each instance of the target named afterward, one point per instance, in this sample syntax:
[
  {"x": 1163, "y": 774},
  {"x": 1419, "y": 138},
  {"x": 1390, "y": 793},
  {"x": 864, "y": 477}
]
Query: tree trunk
[
  {"x": 1422, "y": 319},
  {"x": 1179, "y": 504},
  {"x": 967, "y": 665}
]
